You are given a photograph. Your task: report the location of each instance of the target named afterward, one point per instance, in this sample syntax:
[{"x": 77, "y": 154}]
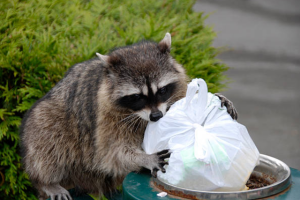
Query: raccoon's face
[
  {"x": 144, "y": 79},
  {"x": 152, "y": 100}
]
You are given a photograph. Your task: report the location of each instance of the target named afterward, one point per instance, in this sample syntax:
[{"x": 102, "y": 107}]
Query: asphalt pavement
[{"x": 262, "y": 38}]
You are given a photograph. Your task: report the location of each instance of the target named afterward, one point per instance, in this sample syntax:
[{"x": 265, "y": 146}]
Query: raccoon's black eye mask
[
  {"x": 164, "y": 93},
  {"x": 137, "y": 102}
]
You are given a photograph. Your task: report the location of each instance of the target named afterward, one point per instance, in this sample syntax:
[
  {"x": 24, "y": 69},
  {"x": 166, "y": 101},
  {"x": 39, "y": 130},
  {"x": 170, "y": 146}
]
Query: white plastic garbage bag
[{"x": 210, "y": 151}]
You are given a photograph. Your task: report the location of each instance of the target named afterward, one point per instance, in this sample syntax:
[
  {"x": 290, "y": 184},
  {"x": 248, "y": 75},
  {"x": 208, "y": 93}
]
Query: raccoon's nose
[{"x": 156, "y": 116}]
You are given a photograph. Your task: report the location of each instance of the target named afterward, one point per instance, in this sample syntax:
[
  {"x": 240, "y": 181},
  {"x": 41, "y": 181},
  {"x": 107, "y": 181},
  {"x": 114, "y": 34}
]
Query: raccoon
[{"x": 87, "y": 131}]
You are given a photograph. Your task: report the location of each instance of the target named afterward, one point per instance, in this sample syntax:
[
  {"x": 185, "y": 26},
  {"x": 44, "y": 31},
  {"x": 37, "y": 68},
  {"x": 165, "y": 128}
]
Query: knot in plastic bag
[{"x": 201, "y": 147}]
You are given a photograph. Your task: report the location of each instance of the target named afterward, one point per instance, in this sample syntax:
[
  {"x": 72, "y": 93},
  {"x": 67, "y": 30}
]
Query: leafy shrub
[{"x": 40, "y": 40}]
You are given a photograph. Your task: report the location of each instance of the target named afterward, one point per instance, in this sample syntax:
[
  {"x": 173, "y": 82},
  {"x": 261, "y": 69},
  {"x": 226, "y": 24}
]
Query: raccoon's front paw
[
  {"x": 229, "y": 105},
  {"x": 158, "y": 161}
]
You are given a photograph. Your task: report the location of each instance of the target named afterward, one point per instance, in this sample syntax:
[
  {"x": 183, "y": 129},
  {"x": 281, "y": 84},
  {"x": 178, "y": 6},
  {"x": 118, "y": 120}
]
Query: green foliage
[{"x": 40, "y": 40}]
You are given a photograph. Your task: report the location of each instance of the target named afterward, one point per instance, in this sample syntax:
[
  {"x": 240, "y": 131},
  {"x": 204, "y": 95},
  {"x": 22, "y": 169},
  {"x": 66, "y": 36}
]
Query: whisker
[
  {"x": 128, "y": 117},
  {"x": 133, "y": 122},
  {"x": 140, "y": 124},
  {"x": 126, "y": 121}
]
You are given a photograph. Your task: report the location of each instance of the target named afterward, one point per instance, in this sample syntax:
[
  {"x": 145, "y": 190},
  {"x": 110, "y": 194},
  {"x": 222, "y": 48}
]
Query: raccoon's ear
[
  {"x": 165, "y": 44},
  {"x": 104, "y": 58}
]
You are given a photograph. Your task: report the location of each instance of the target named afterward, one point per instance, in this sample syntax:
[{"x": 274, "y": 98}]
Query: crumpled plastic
[{"x": 210, "y": 150}]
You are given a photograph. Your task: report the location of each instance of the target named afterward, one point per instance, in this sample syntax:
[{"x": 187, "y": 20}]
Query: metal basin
[{"x": 273, "y": 170}]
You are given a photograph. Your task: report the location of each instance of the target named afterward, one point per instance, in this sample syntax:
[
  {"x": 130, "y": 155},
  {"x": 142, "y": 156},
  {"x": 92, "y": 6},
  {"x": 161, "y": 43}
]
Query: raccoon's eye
[
  {"x": 162, "y": 90},
  {"x": 136, "y": 97},
  {"x": 134, "y": 101}
]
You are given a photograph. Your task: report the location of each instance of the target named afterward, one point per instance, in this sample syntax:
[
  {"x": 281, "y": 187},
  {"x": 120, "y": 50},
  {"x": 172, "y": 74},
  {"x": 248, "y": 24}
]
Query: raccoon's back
[
  {"x": 79, "y": 90},
  {"x": 67, "y": 109}
]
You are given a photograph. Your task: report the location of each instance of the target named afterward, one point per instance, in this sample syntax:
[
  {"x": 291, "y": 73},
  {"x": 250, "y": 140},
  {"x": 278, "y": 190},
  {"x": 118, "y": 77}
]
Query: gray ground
[{"x": 264, "y": 38}]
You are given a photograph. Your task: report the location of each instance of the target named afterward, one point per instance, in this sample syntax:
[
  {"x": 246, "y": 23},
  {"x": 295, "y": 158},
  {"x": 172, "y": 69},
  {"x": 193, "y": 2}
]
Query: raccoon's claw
[
  {"x": 154, "y": 172},
  {"x": 56, "y": 192},
  {"x": 161, "y": 156},
  {"x": 61, "y": 197},
  {"x": 229, "y": 105}
]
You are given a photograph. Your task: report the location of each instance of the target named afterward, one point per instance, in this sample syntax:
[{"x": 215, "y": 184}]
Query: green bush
[{"x": 40, "y": 40}]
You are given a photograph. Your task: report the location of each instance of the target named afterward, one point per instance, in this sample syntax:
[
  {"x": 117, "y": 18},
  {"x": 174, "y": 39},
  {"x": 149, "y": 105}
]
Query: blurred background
[
  {"x": 40, "y": 40},
  {"x": 262, "y": 40}
]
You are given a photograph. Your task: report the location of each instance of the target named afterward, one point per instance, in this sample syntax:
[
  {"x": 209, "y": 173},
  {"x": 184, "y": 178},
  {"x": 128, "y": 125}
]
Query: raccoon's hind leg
[{"x": 56, "y": 192}]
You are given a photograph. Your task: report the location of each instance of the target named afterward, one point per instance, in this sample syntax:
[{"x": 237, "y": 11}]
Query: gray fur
[{"x": 79, "y": 135}]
